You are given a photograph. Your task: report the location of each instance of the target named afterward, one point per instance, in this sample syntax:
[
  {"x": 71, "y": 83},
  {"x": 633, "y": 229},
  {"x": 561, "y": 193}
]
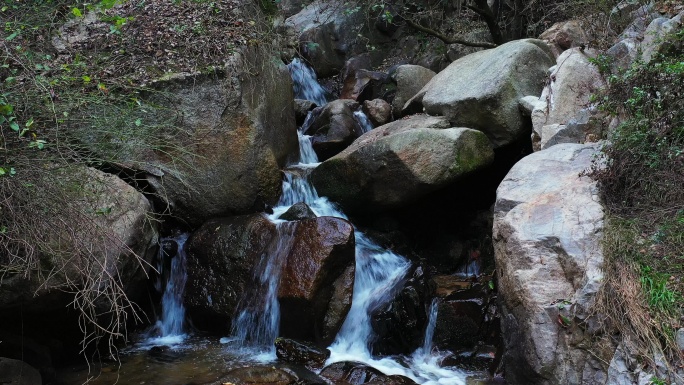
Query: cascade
[
  {"x": 363, "y": 121},
  {"x": 378, "y": 271},
  {"x": 169, "y": 328}
]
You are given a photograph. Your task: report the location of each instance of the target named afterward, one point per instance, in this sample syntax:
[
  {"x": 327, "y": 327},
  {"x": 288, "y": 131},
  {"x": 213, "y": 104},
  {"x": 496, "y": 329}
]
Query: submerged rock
[
  {"x": 296, "y": 352},
  {"x": 258, "y": 375},
  {"x": 482, "y": 90},
  {"x": 15, "y": 372},
  {"x": 395, "y": 164}
]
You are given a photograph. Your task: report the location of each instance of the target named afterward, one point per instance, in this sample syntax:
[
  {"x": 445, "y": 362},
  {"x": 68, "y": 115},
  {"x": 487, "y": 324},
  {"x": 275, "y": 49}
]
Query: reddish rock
[
  {"x": 323, "y": 248},
  {"x": 379, "y": 111},
  {"x": 333, "y": 128}
]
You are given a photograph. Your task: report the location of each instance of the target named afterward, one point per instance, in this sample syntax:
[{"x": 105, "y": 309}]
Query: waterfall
[
  {"x": 363, "y": 121},
  {"x": 169, "y": 328},
  {"x": 378, "y": 271},
  {"x": 430, "y": 329}
]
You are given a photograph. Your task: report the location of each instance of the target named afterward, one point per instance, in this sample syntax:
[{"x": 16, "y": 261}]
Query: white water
[
  {"x": 363, "y": 121},
  {"x": 169, "y": 329},
  {"x": 378, "y": 273},
  {"x": 304, "y": 87}
]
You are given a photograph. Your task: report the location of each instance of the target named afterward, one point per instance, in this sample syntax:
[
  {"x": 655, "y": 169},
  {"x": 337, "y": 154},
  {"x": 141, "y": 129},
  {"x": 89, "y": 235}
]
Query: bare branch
[{"x": 448, "y": 39}]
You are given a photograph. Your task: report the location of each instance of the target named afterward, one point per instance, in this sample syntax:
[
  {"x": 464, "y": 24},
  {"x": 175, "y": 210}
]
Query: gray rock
[
  {"x": 482, "y": 90},
  {"x": 410, "y": 80},
  {"x": 333, "y": 127},
  {"x": 657, "y": 35},
  {"x": 527, "y": 104},
  {"x": 378, "y": 111},
  {"x": 679, "y": 337},
  {"x": 302, "y": 109},
  {"x": 297, "y": 212},
  {"x": 387, "y": 169},
  {"x": 547, "y": 239},
  {"x": 623, "y": 54},
  {"x": 565, "y": 35},
  {"x": 572, "y": 82},
  {"x": 15, "y": 372}
]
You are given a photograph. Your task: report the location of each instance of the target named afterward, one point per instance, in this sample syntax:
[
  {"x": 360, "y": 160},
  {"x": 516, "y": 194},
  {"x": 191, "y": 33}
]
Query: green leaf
[
  {"x": 29, "y": 123},
  {"x": 3, "y": 172},
  {"x": 12, "y": 36},
  {"x": 76, "y": 12},
  {"x": 14, "y": 125},
  {"x": 103, "y": 211},
  {"x": 13, "y": 172},
  {"x": 6, "y": 109},
  {"x": 138, "y": 122},
  {"x": 86, "y": 79}
]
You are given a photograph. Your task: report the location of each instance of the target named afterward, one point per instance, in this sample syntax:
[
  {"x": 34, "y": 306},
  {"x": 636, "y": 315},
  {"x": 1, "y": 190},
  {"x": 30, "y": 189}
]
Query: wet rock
[
  {"x": 259, "y": 375},
  {"x": 302, "y": 109},
  {"x": 15, "y": 372},
  {"x": 298, "y": 212},
  {"x": 399, "y": 326},
  {"x": 333, "y": 128},
  {"x": 379, "y": 111},
  {"x": 482, "y": 90},
  {"x": 322, "y": 250},
  {"x": 478, "y": 359},
  {"x": 458, "y": 324},
  {"x": 548, "y": 224},
  {"x": 410, "y": 80},
  {"x": 299, "y": 353},
  {"x": 391, "y": 380},
  {"x": 392, "y": 166},
  {"x": 353, "y": 373},
  {"x": 565, "y": 35},
  {"x": 350, "y": 89},
  {"x": 221, "y": 258},
  {"x": 340, "y": 303}
]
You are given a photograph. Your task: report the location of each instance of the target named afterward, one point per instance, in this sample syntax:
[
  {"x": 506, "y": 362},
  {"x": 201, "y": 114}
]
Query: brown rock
[
  {"x": 379, "y": 111},
  {"x": 258, "y": 375},
  {"x": 333, "y": 128}
]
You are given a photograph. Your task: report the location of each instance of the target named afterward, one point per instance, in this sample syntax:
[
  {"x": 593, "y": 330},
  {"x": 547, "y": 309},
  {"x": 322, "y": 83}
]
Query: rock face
[
  {"x": 482, "y": 90},
  {"x": 109, "y": 219},
  {"x": 410, "y": 80},
  {"x": 397, "y": 163},
  {"x": 238, "y": 128},
  {"x": 547, "y": 238},
  {"x": 322, "y": 250},
  {"x": 301, "y": 354},
  {"x": 565, "y": 35},
  {"x": 333, "y": 127},
  {"x": 221, "y": 259},
  {"x": 573, "y": 80},
  {"x": 316, "y": 255}
]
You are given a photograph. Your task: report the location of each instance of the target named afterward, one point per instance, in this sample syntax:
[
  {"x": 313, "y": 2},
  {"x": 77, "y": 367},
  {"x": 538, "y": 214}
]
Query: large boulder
[
  {"x": 565, "y": 35},
  {"x": 222, "y": 255},
  {"x": 232, "y": 133},
  {"x": 397, "y": 163},
  {"x": 572, "y": 82},
  {"x": 102, "y": 233},
  {"x": 659, "y": 36},
  {"x": 333, "y": 127},
  {"x": 548, "y": 223},
  {"x": 15, "y": 372},
  {"x": 321, "y": 251},
  {"x": 410, "y": 80},
  {"x": 482, "y": 90}
]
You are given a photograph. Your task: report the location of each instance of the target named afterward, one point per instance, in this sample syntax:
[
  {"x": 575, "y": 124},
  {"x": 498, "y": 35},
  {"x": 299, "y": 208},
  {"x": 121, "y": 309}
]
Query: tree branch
[
  {"x": 483, "y": 10},
  {"x": 447, "y": 39}
]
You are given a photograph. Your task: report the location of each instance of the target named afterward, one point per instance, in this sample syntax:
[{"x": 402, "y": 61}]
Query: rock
[
  {"x": 658, "y": 36},
  {"x": 350, "y": 89},
  {"x": 547, "y": 239},
  {"x": 302, "y": 109},
  {"x": 298, "y": 212},
  {"x": 410, "y": 80},
  {"x": 236, "y": 129},
  {"x": 221, "y": 255},
  {"x": 457, "y": 51},
  {"x": 623, "y": 54},
  {"x": 399, "y": 326},
  {"x": 290, "y": 7},
  {"x": 321, "y": 251},
  {"x": 527, "y": 104},
  {"x": 479, "y": 359},
  {"x": 679, "y": 339},
  {"x": 340, "y": 303},
  {"x": 103, "y": 230},
  {"x": 391, "y": 380},
  {"x": 352, "y": 373},
  {"x": 379, "y": 111},
  {"x": 573, "y": 81},
  {"x": 458, "y": 324},
  {"x": 482, "y": 90},
  {"x": 258, "y": 375},
  {"x": 565, "y": 35},
  {"x": 333, "y": 128},
  {"x": 392, "y": 166},
  {"x": 295, "y": 352},
  {"x": 15, "y": 372}
]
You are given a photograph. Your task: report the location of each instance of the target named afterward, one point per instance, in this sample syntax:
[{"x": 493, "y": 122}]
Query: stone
[
  {"x": 565, "y": 35},
  {"x": 258, "y": 375},
  {"x": 481, "y": 91},
  {"x": 679, "y": 339},
  {"x": 302, "y": 109},
  {"x": 623, "y": 54},
  {"x": 321, "y": 251},
  {"x": 350, "y": 88},
  {"x": 572, "y": 83},
  {"x": 333, "y": 128},
  {"x": 105, "y": 231},
  {"x": 340, "y": 303},
  {"x": 298, "y": 212},
  {"x": 299, "y": 353},
  {"x": 547, "y": 232},
  {"x": 378, "y": 111},
  {"x": 15, "y": 372},
  {"x": 527, "y": 104},
  {"x": 392, "y": 166},
  {"x": 221, "y": 257},
  {"x": 658, "y": 35},
  {"x": 410, "y": 80},
  {"x": 232, "y": 134},
  {"x": 352, "y": 373},
  {"x": 391, "y": 380}
]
